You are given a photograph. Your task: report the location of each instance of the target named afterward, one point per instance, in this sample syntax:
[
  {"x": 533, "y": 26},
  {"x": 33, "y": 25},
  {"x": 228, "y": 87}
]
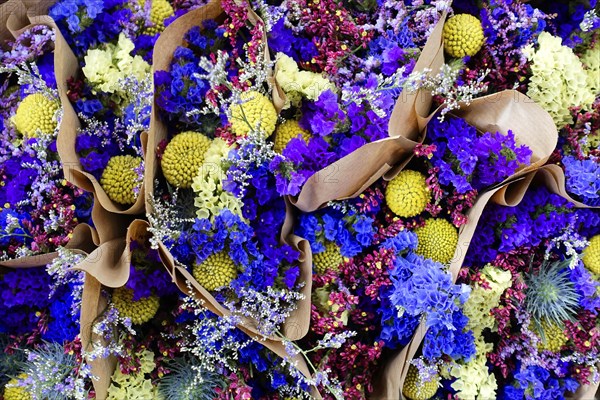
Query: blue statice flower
[
  {"x": 539, "y": 216},
  {"x": 586, "y": 287},
  {"x": 63, "y": 325},
  {"x": 283, "y": 40},
  {"x": 322, "y": 116},
  {"x": 422, "y": 287},
  {"x": 88, "y": 23},
  {"x": 351, "y": 231},
  {"x": 147, "y": 276},
  {"x": 23, "y": 293},
  {"x": 583, "y": 179},
  {"x": 535, "y": 382},
  {"x": 467, "y": 160}
]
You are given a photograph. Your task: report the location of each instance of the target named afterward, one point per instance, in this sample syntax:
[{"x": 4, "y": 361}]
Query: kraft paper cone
[
  {"x": 297, "y": 325},
  {"x": 510, "y": 194},
  {"x": 93, "y": 305},
  {"x": 65, "y": 67}
]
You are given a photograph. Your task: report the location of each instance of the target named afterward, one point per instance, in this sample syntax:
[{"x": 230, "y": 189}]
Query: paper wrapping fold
[
  {"x": 509, "y": 194},
  {"x": 66, "y": 66}
]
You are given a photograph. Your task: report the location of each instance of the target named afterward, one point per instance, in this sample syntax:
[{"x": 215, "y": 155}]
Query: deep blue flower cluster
[
  {"x": 567, "y": 17},
  {"x": 181, "y": 89},
  {"x": 520, "y": 34},
  {"x": 351, "y": 231},
  {"x": 422, "y": 287},
  {"x": 583, "y": 179},
  {"x": 467, "y": 160},
  {"x": 147, "y": 276},
  {"x": 25, "y": 296},
  {"x": 539, "y": 216},
  {"x": 88, "y": 23},
  {"x": 22, "y": 294},
  {"x": 535, "y": 382},
  {"x": 265, "y": 208},
  {"x": 283, "y": 40},
  {"x": 391, "y": 47}
]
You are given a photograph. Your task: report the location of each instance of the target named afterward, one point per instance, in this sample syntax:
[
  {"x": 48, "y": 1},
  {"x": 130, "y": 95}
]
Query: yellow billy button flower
[
  {"x": 287, "y": 131},
  {"x": 330, "y": 259},
  {"x": 35, "y": 114},
  {"x": 13, "y": 391},
  {"x": 463, "y": 35},
  {"x": 437, "y": 240},
  {"x": 414, "y": 389},
  {"x": 159, "y": 11},
  {"x": 119, "y": 179},
  {"x": 216, "y": 271},
  {"x": 407, "y": 194},
  {"x": 139, "y": 311},
  {"x": 553, "y": 339},
  {"x": 591, "y": 255},
  {"x": 254, "y": 109},
  {"x": 183, "y": 157}
]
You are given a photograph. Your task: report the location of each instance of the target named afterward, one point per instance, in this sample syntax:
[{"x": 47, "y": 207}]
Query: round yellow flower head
[
  {"x": 437, "y": 240},
  {"x": 287, "y": 131},
  {"x": 463, "y": 35},
  {"x": 139, "y": 311},
  {"x": 119, "y": 179},
  {"x": 216, "y": 271},
  {"x": 159, "y": 11},
  {"x": 183, "y": 157},
  {"x": 591, "y": 255},
  {"x": 35, "y": 114},
  {"x": 330, "y": 259},
  {"x": 14, "y": 392},
  {"x": 407, "y": 194},
  {"x": 554, "y": 337},
  {"x": 255, "y": 109},
  {"x": 414, "y": 389}
]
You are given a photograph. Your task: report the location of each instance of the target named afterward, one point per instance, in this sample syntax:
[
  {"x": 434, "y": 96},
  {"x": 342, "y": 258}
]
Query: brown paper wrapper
[
  {"x": 297, "y": 324},
  {"x": 66, "y": 66},
  {"x": 509, "y": 194}
]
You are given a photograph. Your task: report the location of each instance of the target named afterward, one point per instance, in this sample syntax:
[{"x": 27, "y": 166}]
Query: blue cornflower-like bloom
[
  {"x": 421, "y": 287},
  {"x": 351, "y": 232},
  {"x": 583, "y": 178},
  {"x": 535, "y": 382}
]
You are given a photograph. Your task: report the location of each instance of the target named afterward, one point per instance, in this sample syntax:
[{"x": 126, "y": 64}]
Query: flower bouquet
[
  {"x": 534, "y": 298},
  {"x": 40, "y": 209},
  {"x": 106, "y": 78},
  {"x": 223, "y": 228}
]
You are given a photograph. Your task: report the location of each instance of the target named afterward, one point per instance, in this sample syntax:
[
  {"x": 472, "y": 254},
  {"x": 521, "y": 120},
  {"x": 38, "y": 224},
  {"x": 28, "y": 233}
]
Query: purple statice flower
[
  {"x": 583, "y": 178},
  {"x": 586, "y": 286},
  {"x": 322, "y": 116},
  {"x": 467, "y": 160}
]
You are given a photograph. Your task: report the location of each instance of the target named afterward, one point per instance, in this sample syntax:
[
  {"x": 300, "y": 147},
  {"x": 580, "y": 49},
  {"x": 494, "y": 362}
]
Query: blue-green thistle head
[
  {"x": 186, "y": 382},
  {"x": 550, "y": 293}
]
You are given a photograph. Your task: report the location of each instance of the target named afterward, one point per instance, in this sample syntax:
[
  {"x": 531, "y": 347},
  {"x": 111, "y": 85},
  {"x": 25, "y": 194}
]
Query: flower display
[{"x": 277, "y": 200}]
